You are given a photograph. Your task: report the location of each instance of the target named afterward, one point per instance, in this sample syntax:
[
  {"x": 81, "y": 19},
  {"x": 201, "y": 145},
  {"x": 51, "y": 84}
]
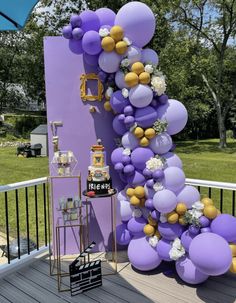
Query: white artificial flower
[
  {"x": 125, "y": 62},
  {"x": 127, "y": 41},
  {"x": 125, "y": 93},
  {"x": 149, "y": 68},
  {"x": 126, "y": 152},
  {"x": 158, "y": 186},
  {"x": 158, "y": 84},
  {"x": 154, "y": 164},
  {"x": 177, "y": 243},
  {"x": 163, "y": 218},
  {"x": 153, "y": 241},
  {"x": 137, "y": 213},
  {"x": 103, "y": 32},
  {"x": 175, "y": 253},
  {"x": 109, "y": 91},
  {"x": 198, "y": 205},
  {"x": 195, "y": 213}
]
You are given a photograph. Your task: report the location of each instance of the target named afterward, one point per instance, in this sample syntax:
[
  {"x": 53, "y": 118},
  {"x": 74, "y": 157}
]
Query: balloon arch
[{"x": 163, "y": 219}]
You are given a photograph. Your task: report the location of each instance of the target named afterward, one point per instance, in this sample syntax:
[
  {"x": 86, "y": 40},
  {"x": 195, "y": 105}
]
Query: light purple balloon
[
  {"x": 149, "y": 192},
  {"x": 90, "y": 21},
  {"x": 174, "y": 179},
  {"x": 122, "y": 195},
  {"x": 163, "y": 248},
  {"x": 206, "y": 230},
  {"x": 140, "y": 156},
  {"x": 117, "y": 154},
  {"x": 91, "y": 43},
  {"x": 225, "y": 226},
  {"x": 211, "y": 254},
  {"x": 172, "y": 160},
  {"x": 133, "y": 54},
  {"x": 136, "y": 225},
  {"x": 186, "y": 239},
  {"x": 194, "y": 230},
  {"x": 129, "y": 110},
  {"x": 188, "y": 195},
  {"x": 119, "y": 167},
  {"x": 125, "y": 209},
  {"x": 109, "y": 62},
  {"x": 75, "y": 20},
  {"x": 126, "y": 159},
  {"x": 129, "y": 170},
  {"x": 204, "y": 221},
  {"x": 164, "y": 201},
  {"x": 155, "y": 215},
  {"x": 176, "y": 115},
  {"x": 140, "y": 95},
  {"x": 136, "y": 179},
  {"x": 76, "y": 46},
  {"x": 170, "y": 231},
  {"x": 150, "y": 183},
  {"x": 120, "y": 80},
  {"x": 161, "y": 144},
  {"x": 77, "y": 33},
  {"x": 92, "y": 60},
  {"x": 119, "y": 126},
  {"x": 118, "y": 102},
  {"x": 67, "y": 31},
  {"x": 138, "y": 22},
  {"x": 106, "y": 16},
  {"x": 129, "y": 141},
  {"x": 123, "y": 236},
  {"x": 188, "y": 272},
  {"x": 149, "y": 204},
  {"x": 145, "y": 117},
  {"x": 149, "y": 56},
  {"x": 142, "y": 255},
  {"x": 129, "y": 121}
]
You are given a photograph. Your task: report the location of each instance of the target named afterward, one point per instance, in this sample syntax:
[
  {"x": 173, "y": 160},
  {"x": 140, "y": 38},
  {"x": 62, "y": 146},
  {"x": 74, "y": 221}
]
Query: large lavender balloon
[
  {"x": 118, "y": 102},
  {"x": 109, "y": 62},
  {"x": 172, "y": 160},
  {"x": 142, "y": 255},
  {"x": 161, "y": 144},
  {"x": 225, "y": 226},
  {"x": 149, "y": 56},
  {"x": 133, "y": 54},
  {"x": 163, "y": 248},
  {"x": 136, "y": 225},
  {"x": 125, "y": 209},
  {"x": 129, "y": 141},
  {"x": 136, "y": 179},
  {"x": 119, "y": 126},
  {"x": 106, "y": 16},
  {"x": 140, "y": 95},
  {"x": 170, "y": 231},
  {"x": 140, "y": 156},
  {"x": 175, "y": 113},
  {"x": 164, "y": 201},
  {"x": 76, "y": 46},
  {"x": 186, "y": 239},
  {"x": 138, "y": 22},
  {"x": 145, "y": 117},
  {"x": 188, "y": 195},
  {"x": 117, "y": 155},
  {"x": 120, "y": 80},
  {"x": 89, "y": 21},
  {"x": 174, "y": 178},
  {"x": 91, "y": 43}
]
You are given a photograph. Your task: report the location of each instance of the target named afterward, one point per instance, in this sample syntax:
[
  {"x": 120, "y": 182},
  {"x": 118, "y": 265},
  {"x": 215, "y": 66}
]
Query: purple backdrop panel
[{"x": 80, "y": 129}]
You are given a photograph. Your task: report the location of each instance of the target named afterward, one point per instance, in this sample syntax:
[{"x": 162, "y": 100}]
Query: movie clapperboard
[{"x": 85, "y": 276}]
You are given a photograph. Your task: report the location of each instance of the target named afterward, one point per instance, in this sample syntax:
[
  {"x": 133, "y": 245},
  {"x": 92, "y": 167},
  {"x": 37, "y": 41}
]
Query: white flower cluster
[
  {"x": 153, "y": 241},
  {"x": 125, "y": 93},
  {"x": 163, "y": 218},
  {"x": 177, "y": 251},
  {"x": 103, "y": 32},
  {"x": 154, "y": 164},
  {"x": 158, "y": 84},
  {"x": 125, "y": 62},
  {"x": 197, "y": 210},
  {"x": 137, "y": 213},
  {"x": 127, "y": 41},
  {"x": 158, "y": 186},
  {"x": 126, "y": 152},
  {"x": 149, "y": 68}
]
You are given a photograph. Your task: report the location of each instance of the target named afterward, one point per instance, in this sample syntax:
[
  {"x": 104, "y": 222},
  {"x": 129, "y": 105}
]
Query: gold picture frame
[
  {"x": 98, "y": 159},
  {"x": 83, "y": 88}
]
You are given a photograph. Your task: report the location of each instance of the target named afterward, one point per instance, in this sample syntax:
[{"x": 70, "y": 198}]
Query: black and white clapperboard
[{"x": 85, "y": 275}]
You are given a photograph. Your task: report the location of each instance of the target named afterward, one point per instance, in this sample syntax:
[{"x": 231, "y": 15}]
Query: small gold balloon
[
  {"x": 151, "y": 221},
  {"x": 121, "y": 47},
  {"x": 135, "y": 201},
  {"x": 207, "y": 201},
  {"x": 149, "y": 133},
  {"x": 172, "y": 217},
  {"x": 181, "y": 208},
  {"x": 138, "y": 132},
  {"x": 108, "y": 44},
  {"x": 144, "y": 142},
  {"x": 130, "y": 192},
  {"x": 149, "y": 230},
  {"x": 182, "y": 220},
  {"x": 137, "y": 68},
  {"x": 233, "y": 249},
  {"x": 233, "y": 266},
  {"x": 210, "y": 211},
  {"x": 131, "y": 79},
  {"x": 117, "y": 33},
  {"x": 139, "y": 192},
  {"x": 107, "y": 106},
  {"x": 144, "y": 78}
]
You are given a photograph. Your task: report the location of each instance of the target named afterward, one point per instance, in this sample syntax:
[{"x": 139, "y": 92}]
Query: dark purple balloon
[
  {"x": 90, "y": 21},
  {"x": 121, "y": 117},
  {"x": 75, "y": 21},
  {"x": 149, "y": 204},
  {"x": 77, "y": 33},
  {"x": 67, "y": 32},
  {"x": 106, "y": 16},
  {"x": 119, "y": 126},
  {"x": 162, "y": 98},
  {"x": 147, "y": 173},
  {"x": 170, "y": 231},
  {"x": 186, "y": 239},
  {"x": 111, "y": 77},
  {"x": 119, "y": 167},
  {"x": 76, "y": 46},
  {"x": 93, "y": 61},
  {"x": 136, "y": 225},
  {"x": 128, "y": 110},
  {"x": 117, "y": 155},
  {"x": 158, "y": 175},
  {"x": 123, "y": 236},
  {"x": 118, "y": 102},
  {"x": 154, "y": 103},
  {"x": 163, "y": 248},
  {"x": 126, "y": 159},
  {"x": 136, "y": 179},
  {"x": 129, "y": 121},
  {"x": 129, "y": 169},
  {"x": 150, "y": 183},
  {"x": 204, "y": 221},
  {"x": 140, "y": 156},
  {"x": 225, "y": 226},
  {"x": 194, "y": 230},
  {"x": 91, "y": 43},
  {"x": 206, "y": 230},
  {"x": 102, "y": 75},
  {"x": 155, "y": 215},
  {"x": 145, "y": 117},
  {"x": 173, "y": 147}
]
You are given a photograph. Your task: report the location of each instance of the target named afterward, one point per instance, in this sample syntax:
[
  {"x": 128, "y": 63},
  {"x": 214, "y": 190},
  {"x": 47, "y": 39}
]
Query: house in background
[{"x": 40, "y": 135}]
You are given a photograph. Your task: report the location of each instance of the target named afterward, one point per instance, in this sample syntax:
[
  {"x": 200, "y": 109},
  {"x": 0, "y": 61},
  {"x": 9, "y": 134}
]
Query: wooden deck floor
[{"x": 34, "y": 284}]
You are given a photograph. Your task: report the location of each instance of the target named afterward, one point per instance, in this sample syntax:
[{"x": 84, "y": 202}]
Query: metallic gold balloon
[
  {"x": 233, "y": 249},
  {"x": 151, "y": 221},
  {"x": 121, "y": 47},
  {"x": 108, "y": 44},
  {"x": 172, "y": 217},
  {"x": 210, "y": 211},
  {"x": 149, "y": 230},
  {"x": 182, "y": 220},
  {"x": 181, "y": 208},
  {"x": 131, "y": 79},
  {"x": 144, "y": 142},
  {"x": 107, "y": 106},
  {"x": 233, "y": 266},
  {"x": 117, "y": 33},
  {"x": 157, "y": 234},
  {"x": 138, "y": 132},
  {"x": 142, "y": 202},
  {"x": 130, "y": 192},
  {"x": 135, "y": 201},
  {"x": 207, "y": 201},
  {"x": 139, "y": 192},
  {"x": 137, "y": 68},
  {"x": 149, "y": 133},
  {"x": 144, "y": 78}
]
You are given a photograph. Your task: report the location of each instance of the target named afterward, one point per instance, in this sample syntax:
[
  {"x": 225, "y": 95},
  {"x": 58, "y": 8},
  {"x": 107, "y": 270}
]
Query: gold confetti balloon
[
  {"x": 139, "y": 192},
  {"x": 144, "y": 78},
  {"x": 181, "y": 208},
  {"x": 131, "y": 79},
  {"x": 210, "y": 212},
  {"x": 137, "y": 68},
  {"x": 149, "y": 133},
  {"x": 117, "y": 33},
  {"x": 108, "y": 44},
  {"x": 149, "y": 230},
  {"x": 121, "y": 47},
  {"x": 138, "y": 132}
]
